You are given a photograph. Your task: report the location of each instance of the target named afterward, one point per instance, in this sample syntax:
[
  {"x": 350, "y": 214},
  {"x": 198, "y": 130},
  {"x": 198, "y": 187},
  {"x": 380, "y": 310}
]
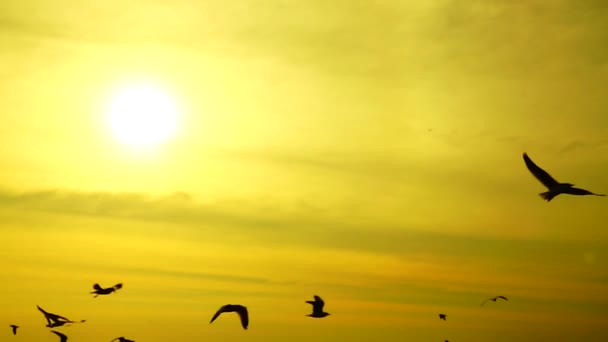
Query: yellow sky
[{"x": 365, "y": 151}]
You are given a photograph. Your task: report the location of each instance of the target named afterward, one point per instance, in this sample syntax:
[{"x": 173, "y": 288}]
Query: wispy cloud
[{"x": 416, "y": 255}]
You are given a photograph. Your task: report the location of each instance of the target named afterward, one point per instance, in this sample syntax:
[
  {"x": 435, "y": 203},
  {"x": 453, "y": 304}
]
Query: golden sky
[{"x": 369, "y": 152}]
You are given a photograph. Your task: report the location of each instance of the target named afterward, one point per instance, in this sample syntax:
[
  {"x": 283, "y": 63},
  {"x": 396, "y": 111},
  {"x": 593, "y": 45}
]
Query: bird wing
[
  {"x": 502, "y": 297},
  {"x": 62, "y": 337},
  {"x": 51, "y": 316},
  {"x": 244, "y": 315},
  {"x": 219, "y": 312},
  {"x": 319, "y": 303},
  {"x": 539, "y": 173},
  {"x": 485, "y": 301},
  {"x": 577, "y": 191}
]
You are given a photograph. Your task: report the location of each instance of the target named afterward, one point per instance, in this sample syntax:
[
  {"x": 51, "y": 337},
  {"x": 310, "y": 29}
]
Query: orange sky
[{"x": 367, "y": 152}]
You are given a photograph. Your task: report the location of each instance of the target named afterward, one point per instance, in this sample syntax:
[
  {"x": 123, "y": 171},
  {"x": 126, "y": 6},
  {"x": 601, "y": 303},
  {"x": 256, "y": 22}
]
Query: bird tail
[{"x": 548, "y": 196}]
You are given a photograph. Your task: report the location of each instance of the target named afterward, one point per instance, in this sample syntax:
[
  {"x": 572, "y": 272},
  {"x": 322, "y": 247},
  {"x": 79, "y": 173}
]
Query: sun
[{"x": 142, "y": 115}]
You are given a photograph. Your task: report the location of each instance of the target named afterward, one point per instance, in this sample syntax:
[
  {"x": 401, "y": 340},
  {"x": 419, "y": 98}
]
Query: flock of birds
[
  {"x": 55, "y": 320},
  {"x": 554, "y": 188}
]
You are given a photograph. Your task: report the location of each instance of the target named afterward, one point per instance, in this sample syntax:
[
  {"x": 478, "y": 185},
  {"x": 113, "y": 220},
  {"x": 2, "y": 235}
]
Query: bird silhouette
[
  {"x": 555, "y": 187},
  {"x": 317, "y": 308},
  {"x": 62, "y": 337},
  {"x": 122, "y": 339},
  {"x": 54, "y": 320},
  {"x": 494, "y": 299},
  {"x": 105, "y": 291},
  {"x": 14, "y": 328},
  {"x": 442, "y": 316},
  {"x": 241, "y": 310}
]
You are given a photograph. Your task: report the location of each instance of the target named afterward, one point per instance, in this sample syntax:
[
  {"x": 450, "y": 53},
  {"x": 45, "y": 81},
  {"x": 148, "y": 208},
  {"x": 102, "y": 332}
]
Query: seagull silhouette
[
  {"x": 555, "y": 188},
  {"x": 105, "y": 291},
  {"x": 122, "y": 339},
  {"x": 14, "y": 328},
  {"x": 493, "y": 299},
  {"x": 317, "y": 308},
  {"x": 442, "y": 316},
  {"x": 241, "y": 310},
  {"x": 62, "y": 337},
  {"x": 54, "y": 320}
]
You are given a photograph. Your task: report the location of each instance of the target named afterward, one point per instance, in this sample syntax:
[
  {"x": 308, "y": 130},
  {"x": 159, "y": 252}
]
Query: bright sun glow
[{"x": 142, "y": 115}]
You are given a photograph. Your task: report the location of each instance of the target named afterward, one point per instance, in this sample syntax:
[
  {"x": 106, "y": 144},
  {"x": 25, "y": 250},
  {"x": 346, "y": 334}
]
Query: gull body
[
  {"x": 494, "y": 299},
  {"x": 555, "y": 188},
  {"x": 239, "y": 309},
  {"x": 14, "y": 327},
  {"x": 317, "y": 308},
  {"x": 105, "y": 291},
  {"x": 54, "y": 320}
]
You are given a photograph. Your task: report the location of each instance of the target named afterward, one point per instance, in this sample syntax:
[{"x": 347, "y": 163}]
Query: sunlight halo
[{"x": 142, "y": 115}]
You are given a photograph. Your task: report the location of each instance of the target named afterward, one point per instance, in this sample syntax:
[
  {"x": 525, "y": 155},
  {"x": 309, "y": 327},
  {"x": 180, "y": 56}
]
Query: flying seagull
[
  {"x": 54, "y": 320},
  {"x": 62, "y": 337},
  {"x": 14, "y": 328},
  {"x": 105, "y": 291},
  {"x": 442, "y": 316},
  {"x": 241, "y": 310},
  {"x": 494, "y": 299},
  {"x": 317, "y": 308},
  {"x": 555, "y": 188},
  {"x": 122, "y": 339}
]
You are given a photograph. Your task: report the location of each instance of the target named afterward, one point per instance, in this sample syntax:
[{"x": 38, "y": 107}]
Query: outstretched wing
[
  {"x": 219, "y": 312},
  {"x": 319, "y": 304},
  {"x": 62, "y": 337},
  {"x": 577, "y": 191},
  {"x": 539, "y": 173},
  {"x": 244, "y": 315},
  {"x": 502, "y": 297},
  {"x": 50, "y": 316}
]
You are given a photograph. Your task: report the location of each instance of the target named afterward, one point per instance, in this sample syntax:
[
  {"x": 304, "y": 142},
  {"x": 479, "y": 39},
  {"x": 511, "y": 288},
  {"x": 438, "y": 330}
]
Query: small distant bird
[
  {"x": 54, "y": 320},
  {"x": 105, "y": 291},
  {"x": 122, "y": 339},
  {"x": 555, "y": 188},
  {"x": 239, "y": 309},
  {"x": 62, "y": 337},
  {"x": 442, "y": 316},
  {"x": 14, "y": 328},
  {"x": 317, "y": 308},
  {"x": 494, "y": 299}
]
